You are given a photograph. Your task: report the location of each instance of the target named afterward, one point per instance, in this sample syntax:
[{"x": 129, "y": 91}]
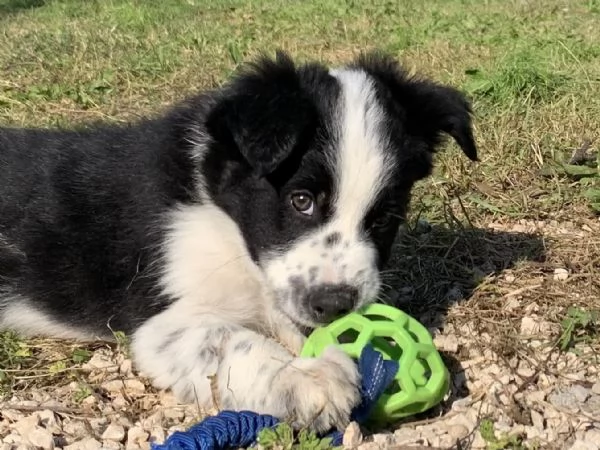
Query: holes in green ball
[
  {"x": 420, "y": 372},
  {"x": 418, "y": 332},
  {"x": 415, "y": 408},
  {"x": 377, "y": 318},
  {"x": 388, "y": 347},
  {"x": 413, "y": 336},
  {"x": 349, "y": 336},
  {"x": 393, "y": 388}
]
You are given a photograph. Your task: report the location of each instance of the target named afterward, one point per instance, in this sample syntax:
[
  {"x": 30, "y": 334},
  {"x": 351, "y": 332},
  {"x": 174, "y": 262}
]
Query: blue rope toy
[{"x": 235, "y": 429}]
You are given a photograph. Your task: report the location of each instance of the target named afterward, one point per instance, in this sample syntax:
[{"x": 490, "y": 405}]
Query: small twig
[
  {"x": 214, "y": 390},
  {"x": 521, "y": 290},
  {"x": 450, "y": 247},
  {"x": 464, "y": 211},
  {"x": 43, "y": 375},
  {"x": 74, "y": 412}
]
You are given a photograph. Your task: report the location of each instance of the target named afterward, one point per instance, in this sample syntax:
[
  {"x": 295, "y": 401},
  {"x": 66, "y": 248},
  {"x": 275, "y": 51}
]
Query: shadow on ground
[{"x": 433, "y": 267}]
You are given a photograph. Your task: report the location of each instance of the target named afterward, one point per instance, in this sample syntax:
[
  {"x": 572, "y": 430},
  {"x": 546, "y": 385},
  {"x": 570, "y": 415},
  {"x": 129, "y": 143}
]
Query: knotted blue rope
[
  {"x": 235, "y": 429},
  {"x": 226, "y": 429}
]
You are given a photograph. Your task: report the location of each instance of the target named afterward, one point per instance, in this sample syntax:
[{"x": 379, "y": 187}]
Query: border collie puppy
[{"x": 217, "y": 233}]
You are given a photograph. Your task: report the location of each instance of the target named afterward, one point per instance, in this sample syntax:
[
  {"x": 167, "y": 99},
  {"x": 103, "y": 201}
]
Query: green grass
[
  {"x": 505, "y": 442},
  {"x": 579, "y": 325},
  {"x": 23, "y": 360},
  {"x": 14, "y": 353},
  {"x": 123, "y": 342},
  {"x": 282, "y": 437},
  {"x": 531, "y": 68}
]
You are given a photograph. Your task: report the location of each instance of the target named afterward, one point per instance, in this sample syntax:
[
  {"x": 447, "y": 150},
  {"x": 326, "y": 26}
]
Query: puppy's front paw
[{"x": 320, "y": 393}]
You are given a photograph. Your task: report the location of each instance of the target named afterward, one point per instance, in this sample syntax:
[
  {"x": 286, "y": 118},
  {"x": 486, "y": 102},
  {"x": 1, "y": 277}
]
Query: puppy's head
[{"x": 316, "y": 167}]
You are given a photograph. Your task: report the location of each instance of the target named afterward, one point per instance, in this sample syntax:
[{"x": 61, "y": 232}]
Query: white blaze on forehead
[
  {"x": 362, "y": 165},
  {"x": 337, "y": 254}
]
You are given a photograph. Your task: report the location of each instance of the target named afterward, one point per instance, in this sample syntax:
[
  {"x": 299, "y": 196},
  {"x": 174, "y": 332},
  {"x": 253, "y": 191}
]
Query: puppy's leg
[
  {"x": 252, "y": 372},
  {"x": 260, "y": 375}
]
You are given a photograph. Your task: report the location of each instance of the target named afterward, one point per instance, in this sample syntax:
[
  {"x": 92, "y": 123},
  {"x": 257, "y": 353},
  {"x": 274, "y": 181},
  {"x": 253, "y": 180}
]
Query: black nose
[{"x": 329, "y": 302}]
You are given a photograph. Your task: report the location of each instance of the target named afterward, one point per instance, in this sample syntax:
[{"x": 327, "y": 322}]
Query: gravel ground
[
  {"x": 547, "y": 409},
  {"x": 504, "y": 395}
]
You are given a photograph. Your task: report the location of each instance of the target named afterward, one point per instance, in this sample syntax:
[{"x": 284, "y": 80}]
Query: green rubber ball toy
[{"x": 422, "y": 380}]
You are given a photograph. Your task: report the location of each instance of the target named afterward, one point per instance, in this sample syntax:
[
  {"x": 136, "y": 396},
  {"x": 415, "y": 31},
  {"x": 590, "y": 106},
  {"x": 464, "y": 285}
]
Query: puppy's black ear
[
  {"x": 263, "y": 113},
  {"x": 427, "y": 109}
]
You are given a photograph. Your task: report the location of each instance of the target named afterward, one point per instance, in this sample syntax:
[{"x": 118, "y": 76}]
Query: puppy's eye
[
  {"x": 382, "y": 221},
  {"x": 303, "y": 202}
]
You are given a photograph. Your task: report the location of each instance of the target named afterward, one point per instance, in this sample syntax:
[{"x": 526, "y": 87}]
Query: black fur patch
[
  {"x": 332, "y": 239},
  {"x": 243, "y": 347},
  {"x": 207, "y": 355}
]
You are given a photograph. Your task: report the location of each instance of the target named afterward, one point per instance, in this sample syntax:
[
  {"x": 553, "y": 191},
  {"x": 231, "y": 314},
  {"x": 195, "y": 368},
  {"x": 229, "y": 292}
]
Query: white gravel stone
[
  {"x": 135, "y": 386},
  {"x": 529, "y": 326},
  {"x": 126, "y": 367},
  {"x": 166, "y": 399},
  {"x": 49, "y": 421},
  {"x": 111, "y": 445},
  {"x": 532, "y": 432},
  {"x": 136, "y": 436},
  {"x": 383, "y": 439},
  {"x": 12, "y": 438},
  {"x": 41, "y": 438},
  {"x": 564, "y": 399},
  {"x": 446, "y": 343},
  {"x": 352, "y": 435},
  {"x": 157, "y": 434},
  {"x": 76, "y": 429},
  {"x": 114, "y": 432},
  {"x": 89, "y": 401},
  {"x": 124, "y": 421},
  {"x": 119, "y": 402},
  {"x": 154, "y": 420},
  {"x": 369, "y": 446},
  {"x": 478, "y": 441},
  {"x": 581, "y": 393},
  {"x": 560, "y": 274},
  {"x": 525, "y": 370},
  {"x": 98, "y": 424},
  {"x": 84, "y": 444},
  {"x": 462, "y": 420},
  {"x": 27, "y": 424},
  {"x": 458, "y": 431},
  {"x": 535, "y": 397},
  {"x": 583, "y": 445},
  {"x": 12, "y": 415},
  {"x": 113, "y": 385},
  {"x": 593, "y": 435},
  {"x": 406, "y": 436},
  {"x": 100, "y": 361},
  {"x": 592, "y": 405},
  {"x": 537, "y": 419},
  {"x": 462, "y": 404}
]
